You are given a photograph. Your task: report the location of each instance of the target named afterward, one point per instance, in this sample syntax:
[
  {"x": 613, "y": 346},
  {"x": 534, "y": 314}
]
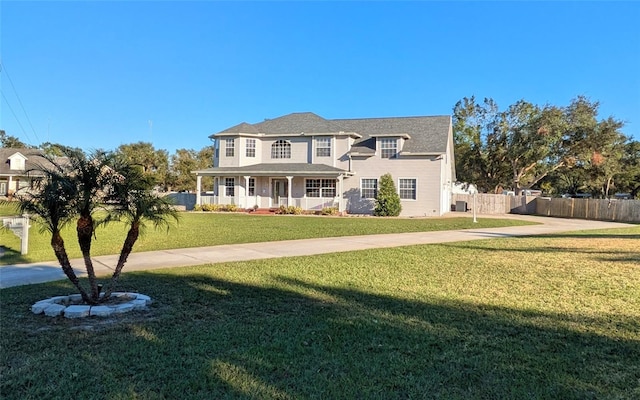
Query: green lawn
[
  {"x": 555, "y": 317},
  {"x": 209, "y": 229}
]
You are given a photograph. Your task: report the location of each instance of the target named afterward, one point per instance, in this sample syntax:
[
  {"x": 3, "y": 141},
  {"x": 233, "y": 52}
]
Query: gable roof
[
  {"x": 426, "y": 134},
  {"x": 33, "y": 157}
]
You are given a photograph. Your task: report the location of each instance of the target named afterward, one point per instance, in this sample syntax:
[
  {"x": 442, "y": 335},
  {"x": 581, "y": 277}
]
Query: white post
[
  {"x": 198, "y": 189},
  {"x": 24, "y": 242},
  {"x": 289, "y": 200},
  {"x": 246, "y": 191}
]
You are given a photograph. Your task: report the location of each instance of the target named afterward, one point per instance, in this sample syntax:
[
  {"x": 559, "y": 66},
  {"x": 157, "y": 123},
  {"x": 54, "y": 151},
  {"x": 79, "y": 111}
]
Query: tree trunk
[
  {"x": 127, "y": 248},
  {"x": 85, "y": 231},
  {"x": 57, "y": 244}
]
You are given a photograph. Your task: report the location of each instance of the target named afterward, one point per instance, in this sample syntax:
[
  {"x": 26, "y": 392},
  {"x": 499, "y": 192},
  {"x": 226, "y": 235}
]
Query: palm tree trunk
[
  {"x": 57, "y": 243},
  {"x": 127, "y": 248},
  {"x": 85, "y": 231}
]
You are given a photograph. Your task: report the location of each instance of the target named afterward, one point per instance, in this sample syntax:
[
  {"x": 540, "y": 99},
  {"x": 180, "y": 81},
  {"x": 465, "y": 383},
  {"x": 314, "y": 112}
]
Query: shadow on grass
[{"x": 292, "y": 339}]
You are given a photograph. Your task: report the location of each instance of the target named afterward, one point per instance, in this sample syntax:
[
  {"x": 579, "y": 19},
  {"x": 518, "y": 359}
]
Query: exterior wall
[
  {"x": 426, "y": 170},
  {"x": 300, "y": 150},
  {"x": 223, "y": 160}
]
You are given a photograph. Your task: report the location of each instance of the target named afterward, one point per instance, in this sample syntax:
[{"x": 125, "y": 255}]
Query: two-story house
[
  {"x": 307, "y": 161},
  {"x": 16, "y": 169}
]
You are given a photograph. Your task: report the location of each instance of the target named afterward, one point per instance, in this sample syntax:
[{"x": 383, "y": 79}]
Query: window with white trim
[
  {"x": 388, "y": 148},
  {"x": 251, "y": 148},
  {"x": 281, "y": 149},
  {"x": 369, "y": 188},
  {"x": 407, "y": 188},
  {"x": 229, "y": 147},
  {"x": 321, "y": 187},
  {"x": 252, "y": 187},
  {"x": 323, "y": 147},
  {"x": 230, "y": 187}
]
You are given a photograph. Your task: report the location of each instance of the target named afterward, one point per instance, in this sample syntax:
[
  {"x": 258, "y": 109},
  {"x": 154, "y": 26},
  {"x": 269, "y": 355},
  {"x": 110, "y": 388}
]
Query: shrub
[
  {"x": 230, "y": 208},
  {"x": 329, "y": 211},
  {"x": 387, "y": 200},
  {"x": 289, "y": 210}
]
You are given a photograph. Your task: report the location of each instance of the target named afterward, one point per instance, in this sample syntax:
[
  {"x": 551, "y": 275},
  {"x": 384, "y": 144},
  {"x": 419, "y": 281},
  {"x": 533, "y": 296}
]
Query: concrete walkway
[{"x": 24, "y": 274}]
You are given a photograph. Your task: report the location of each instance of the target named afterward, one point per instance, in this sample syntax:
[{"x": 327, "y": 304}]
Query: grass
[
  {"x": 210, "y": 229},
  {"x": 553, "y": 317}
]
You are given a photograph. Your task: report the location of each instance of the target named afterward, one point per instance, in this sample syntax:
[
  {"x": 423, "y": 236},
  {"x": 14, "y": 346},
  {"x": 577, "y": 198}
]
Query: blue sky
[{"x": 94, "y": 74}]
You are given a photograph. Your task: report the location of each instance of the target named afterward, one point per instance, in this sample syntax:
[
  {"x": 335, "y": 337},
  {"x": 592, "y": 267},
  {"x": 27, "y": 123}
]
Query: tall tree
[
  {"x": 522, "y": 145},
  {"x": 184, "y": 162},
  {"x": 9, "y": 141},
  {"x": 154, "y": 163}
]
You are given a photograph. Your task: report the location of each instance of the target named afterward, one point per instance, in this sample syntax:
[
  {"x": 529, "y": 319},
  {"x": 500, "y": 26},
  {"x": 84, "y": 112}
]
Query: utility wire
[
  {"x": 3, "y": 68},
  {"x": 14, "y": 114}
]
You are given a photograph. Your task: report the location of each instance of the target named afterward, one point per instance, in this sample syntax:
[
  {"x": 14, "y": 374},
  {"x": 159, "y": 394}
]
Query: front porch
[{"x": 250, "y": 192}]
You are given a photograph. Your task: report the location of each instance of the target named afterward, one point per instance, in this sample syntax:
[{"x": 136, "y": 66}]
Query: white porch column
[
  {"x": 9, "y": 182},
  {"x": 289, "y": 187},
  {"x": 246, "y": 191},
  {"x": 340, "y": 193},
  {"x": 198, "y": 189}
]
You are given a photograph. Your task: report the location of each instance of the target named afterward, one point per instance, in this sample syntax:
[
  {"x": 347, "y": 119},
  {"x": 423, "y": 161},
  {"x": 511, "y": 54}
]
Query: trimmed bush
[{"x": 387, "y": 200}]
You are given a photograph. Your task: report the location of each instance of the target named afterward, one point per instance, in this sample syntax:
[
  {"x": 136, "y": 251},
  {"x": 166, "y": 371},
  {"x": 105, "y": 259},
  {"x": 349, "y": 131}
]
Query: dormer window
[
  {"x": 281, "y": 149},
  {"x": 388, "y": 148},
  {"x": 17, "y": 162}
]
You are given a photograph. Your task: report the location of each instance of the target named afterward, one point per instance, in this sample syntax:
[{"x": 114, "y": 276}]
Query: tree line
[
  {"x": 558, "y": 149},
  {"x": 169, "y": 172}
]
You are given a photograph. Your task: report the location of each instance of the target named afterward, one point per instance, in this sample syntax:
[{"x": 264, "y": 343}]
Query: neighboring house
[
  {"x": 307, "y": 161},
  {"x": 16, "y": 169}
]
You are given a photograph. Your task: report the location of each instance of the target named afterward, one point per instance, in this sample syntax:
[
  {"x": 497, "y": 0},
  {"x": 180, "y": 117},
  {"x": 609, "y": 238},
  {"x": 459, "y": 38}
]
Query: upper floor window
[
  {"x": 407, "y": 189},
  {"x": 388, "y": 148},
  {"x": 251, "y": 148},
  {"x": 281, "y": 149},
  {"x": 229, "y": 147},
  {"x": 323, "y": 147}
]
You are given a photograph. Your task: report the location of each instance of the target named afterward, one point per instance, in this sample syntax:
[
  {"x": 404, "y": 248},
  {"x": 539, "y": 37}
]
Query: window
[
  {"x": 388, "y": 148},
  {"x": 323, "y": 147},
  {"x": 369, "y": 188},
  {"x": 281, "y": 149},
  {"x": 321, "y": 188},
  {"x": 407, "y": 189},
  {"x": 230, "y": 147},
  {"x": 251, "y": 148},
  {"x": 252, "y": 187},
  {"x": 230, "y": 187}
]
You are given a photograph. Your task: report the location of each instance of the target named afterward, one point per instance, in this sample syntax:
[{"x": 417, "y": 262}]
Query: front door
[{"x": 279, "y": 192}]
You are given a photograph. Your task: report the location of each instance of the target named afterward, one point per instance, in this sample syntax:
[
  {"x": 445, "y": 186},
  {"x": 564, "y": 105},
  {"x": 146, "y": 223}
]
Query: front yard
[
  {"x": 554, "y": 317},
  {"x": 210, "y": 229}
]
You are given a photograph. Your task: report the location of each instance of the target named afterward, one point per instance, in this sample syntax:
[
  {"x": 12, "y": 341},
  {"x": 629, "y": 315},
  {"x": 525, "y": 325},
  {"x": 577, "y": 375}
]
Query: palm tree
[
  {"x": 90, "y": 175},
  {"x": 131, "y": 199},
  {"x": 51, "y": 203},
  {"x": 80, "y": 185}
]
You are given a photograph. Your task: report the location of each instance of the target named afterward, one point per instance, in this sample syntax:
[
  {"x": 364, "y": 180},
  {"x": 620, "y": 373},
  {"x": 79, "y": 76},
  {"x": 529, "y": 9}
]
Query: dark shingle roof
[
  {"x": 34, "y": 159},
  {"x": 272, "y": 169},
  {"x": 427, "y": 134}
]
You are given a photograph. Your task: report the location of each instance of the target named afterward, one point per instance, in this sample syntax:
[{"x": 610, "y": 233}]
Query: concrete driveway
[{"x": 24, "y": 274}]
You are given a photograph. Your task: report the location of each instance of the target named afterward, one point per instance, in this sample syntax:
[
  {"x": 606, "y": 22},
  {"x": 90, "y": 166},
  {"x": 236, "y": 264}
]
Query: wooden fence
[
  {"x": 496, "y": 203},
  {"x": 595, "y": 209}
]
